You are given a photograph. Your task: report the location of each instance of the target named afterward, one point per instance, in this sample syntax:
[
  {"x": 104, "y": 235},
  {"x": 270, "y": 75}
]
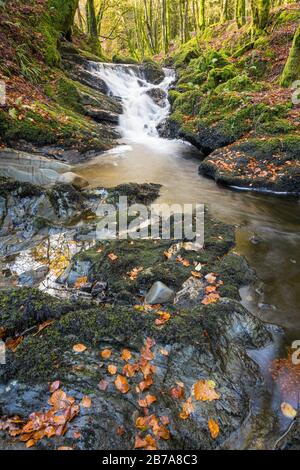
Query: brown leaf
[
  {"x": 64, "y": 448},
  {"x": 120, "y": 431},
  {"x": 147, "y": 401},
  {"x": 211, "y": 298},
  {"x": 43, "y": 326},
  {"x": 204, "y": 390},
  {"x": 79, "y": 348},
  {"x": 2, "y": 332},
  {"x": 13, "y": 344},
  {"x": 112, "y": 257},
  {"x": 149, "y": 443},
  {"x": 86, "y": 402},
  {"x": 54, "y": 386},
  {"x": 103, "y": 384},
  {"x": 177, "y": 392},
  {"x": 121, "y": 384},
  {"x": 211, "y": 278},
  {"x": 130, "y": 370},
  {"x": 213, "y": 428},
  {"x": 145, "y": 384}
]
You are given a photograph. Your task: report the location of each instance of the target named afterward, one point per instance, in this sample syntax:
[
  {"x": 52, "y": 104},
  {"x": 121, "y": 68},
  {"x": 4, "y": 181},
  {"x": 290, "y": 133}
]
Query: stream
[{"x": 267, "y": 227}]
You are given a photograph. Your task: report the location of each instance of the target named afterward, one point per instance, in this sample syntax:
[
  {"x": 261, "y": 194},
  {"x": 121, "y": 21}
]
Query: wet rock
[
  {"x": 33, "y": 277},
  {"x": 159, "y": 294},
  {"x": 102, "y": 115},
  {"x": 152, "y": 72},
  {"x": 80, "y": 72},
  {"x": 75, "y": 271},
  {"x": 192, "y": 293},
  {"x": 99, "y": 289},
  {"x": 75, "y": 180},
  {"x": 158, "y": 95}
]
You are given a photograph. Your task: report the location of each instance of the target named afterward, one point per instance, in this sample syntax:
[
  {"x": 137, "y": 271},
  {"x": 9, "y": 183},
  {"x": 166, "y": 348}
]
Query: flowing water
[{"x": 267, "y": 227}]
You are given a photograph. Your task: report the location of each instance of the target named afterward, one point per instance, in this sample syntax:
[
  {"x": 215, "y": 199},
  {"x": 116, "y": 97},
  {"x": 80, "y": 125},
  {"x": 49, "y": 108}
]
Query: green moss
[
  {"x": 118, "y": 59},
  {"x": 217, "y": 76},
  {"x": 188, "y": 51}
]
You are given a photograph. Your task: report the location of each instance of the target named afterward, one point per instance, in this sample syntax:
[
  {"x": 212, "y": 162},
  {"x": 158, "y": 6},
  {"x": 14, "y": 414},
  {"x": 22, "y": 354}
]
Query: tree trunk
[
  {"x": 202, "y": 21},
  {"x": 291, "y": 70},
  {"x": 240, "y": 12},
  {"x": 92, "y": 26}
]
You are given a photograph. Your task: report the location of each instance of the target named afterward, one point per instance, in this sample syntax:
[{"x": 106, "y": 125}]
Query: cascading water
[{"x": 142, "y": 114}]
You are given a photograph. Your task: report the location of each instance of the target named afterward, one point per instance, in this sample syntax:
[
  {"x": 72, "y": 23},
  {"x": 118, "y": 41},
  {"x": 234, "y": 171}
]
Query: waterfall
[{"x": 141, "y": 114}]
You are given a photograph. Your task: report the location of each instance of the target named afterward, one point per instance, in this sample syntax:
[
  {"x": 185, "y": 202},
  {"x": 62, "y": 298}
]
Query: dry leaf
[
  {"x": 80, "y": 282},
  {"x": 134, "y": 273},
  {"x": 30, "y": 443},
  {"x": 126, "y": 355},
  {"x": 13, "y": 344},
  {"x": 177, "y": 392},
  {"x": 103, "y": 384},
  {"x": 106, "y": 353},
  {"x": 86, "y": 402},
  {"x": 121, "y": 384},
  {"x": 204, "y": 390},
  {"x": 187, "y": 409},
  {"x": 43, "y": 326},
  {"x": 213, "y": 428},
  {"x": 54, "y": 386},
  {"x": 211, "y": 298},
  {"x": 288, "y": 411},
  {"x": 112, "y": 369},
  {"x": 64, "y": 448},
  {"x": 147, "y": 401},
  {"x": 112, "y": 257},
  {"x": 79, "y": 348},
  {"x": 211, "y": 278},
  {"x": 164, "y": 317}
]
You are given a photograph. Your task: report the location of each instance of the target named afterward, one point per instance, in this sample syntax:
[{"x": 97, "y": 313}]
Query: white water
[{"x": 141, "y": 115}]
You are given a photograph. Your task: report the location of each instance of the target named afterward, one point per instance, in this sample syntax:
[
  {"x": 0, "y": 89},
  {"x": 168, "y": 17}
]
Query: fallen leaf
[
  {"x": 103, "y": 384},
  {"x": 134, "y": 273},
  {"x": 112, "y": 257},
  {"x": 106, "y": 353},
  {"x": 211, "y": 298},
  {"x": 147, "y": 401},
  {"x": 112, "y": 369},
  {"x": 177, "y": 392},
  {"x": 210, "y": 289},
  {"x": 145, "y": 385},
  {"x": 64, "y": 448},
  {"x": 2, "y": 331},
  {"x": 80, "y": 282},
  {"x": 30, "y": 443},
  {"x": 204, "y": 390},
  {"x": 211, "y": 278},
  {"x": 288, "y": 411},
  {"x": 120, "y": 431},
  {"x": 79, "y": 348},
  {"x": 149, "y": 443},
  {"x": 121, "y": 384},
  {"x": 43, "y": 326},
  {"x": 195, "y": 274},
  {"x": 164, "y": 352},
  {"x": 126, "y": 355},
  {"x": 213, "y": 428},
  {"x": 54, "y": 386},
  {"x": 164, "y": 317},
  {"x": 13, "y": 344},
  {"x": 187, "y": 409},
  {"x": 130, "y": 370},
  {"x": 86, "y": 402}
]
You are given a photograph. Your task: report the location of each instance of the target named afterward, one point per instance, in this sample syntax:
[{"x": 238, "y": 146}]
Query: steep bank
[{"x": 228, "y": 103}]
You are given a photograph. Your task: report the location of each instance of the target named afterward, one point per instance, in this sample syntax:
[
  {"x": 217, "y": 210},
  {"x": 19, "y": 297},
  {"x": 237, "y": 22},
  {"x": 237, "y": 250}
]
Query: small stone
[
  {"x": 159, "y": 294},
  {"x": 75, "y": 180}
]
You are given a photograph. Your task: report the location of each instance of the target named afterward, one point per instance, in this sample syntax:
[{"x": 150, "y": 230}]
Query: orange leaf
[
  {"x": 187, "y": 409},
  {"x": 204, "y": 390},
  {"x": 211, "y": 298},
  {"x": 177, "y": 392},
  {"x": 106, "y": 353},
  {"x": 126, "y": 355},
  {"x": 130, "y": 370},
  {"x": 13, "y": 344},
  {"x": 211, "y": 278},
  {"x": 112, "y": 369},
  {"x": 64, "y": 448},
  {"x": 121, "y": 384},
  {"x": 147, "y": 401},
  {"x": 164, "y": 318},
  {"x": 112, "y": 257},
  {"x": 86, "y": 402},
  {"x": 30, "y": 443},
  {"x": 79, "y": 348},
  {"x": 145, "y": 384},
  {"x": 54, "y": 386},
  {"x": 80, "y": 282},
  {"x": 213, "y": 428}
]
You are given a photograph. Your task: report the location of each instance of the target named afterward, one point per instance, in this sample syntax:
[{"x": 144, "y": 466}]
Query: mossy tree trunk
[
  {"x": 202, "y": 20},
  {"x": 225, "y": 11},
  {"x": 240, "y": 12},
  {"x": 260, "y": 14},
  {"x": 92, "y": 26},
  {"x": 56, "y": 23},
  {"x": 291, "y": 70}
]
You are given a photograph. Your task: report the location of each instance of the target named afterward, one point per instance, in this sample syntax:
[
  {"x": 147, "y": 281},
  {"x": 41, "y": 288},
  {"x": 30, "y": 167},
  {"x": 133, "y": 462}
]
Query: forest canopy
[{"x": 145, "y": 28}]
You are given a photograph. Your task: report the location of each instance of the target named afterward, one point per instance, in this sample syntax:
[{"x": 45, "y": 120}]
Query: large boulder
[{"x": 75, "y": 180}]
